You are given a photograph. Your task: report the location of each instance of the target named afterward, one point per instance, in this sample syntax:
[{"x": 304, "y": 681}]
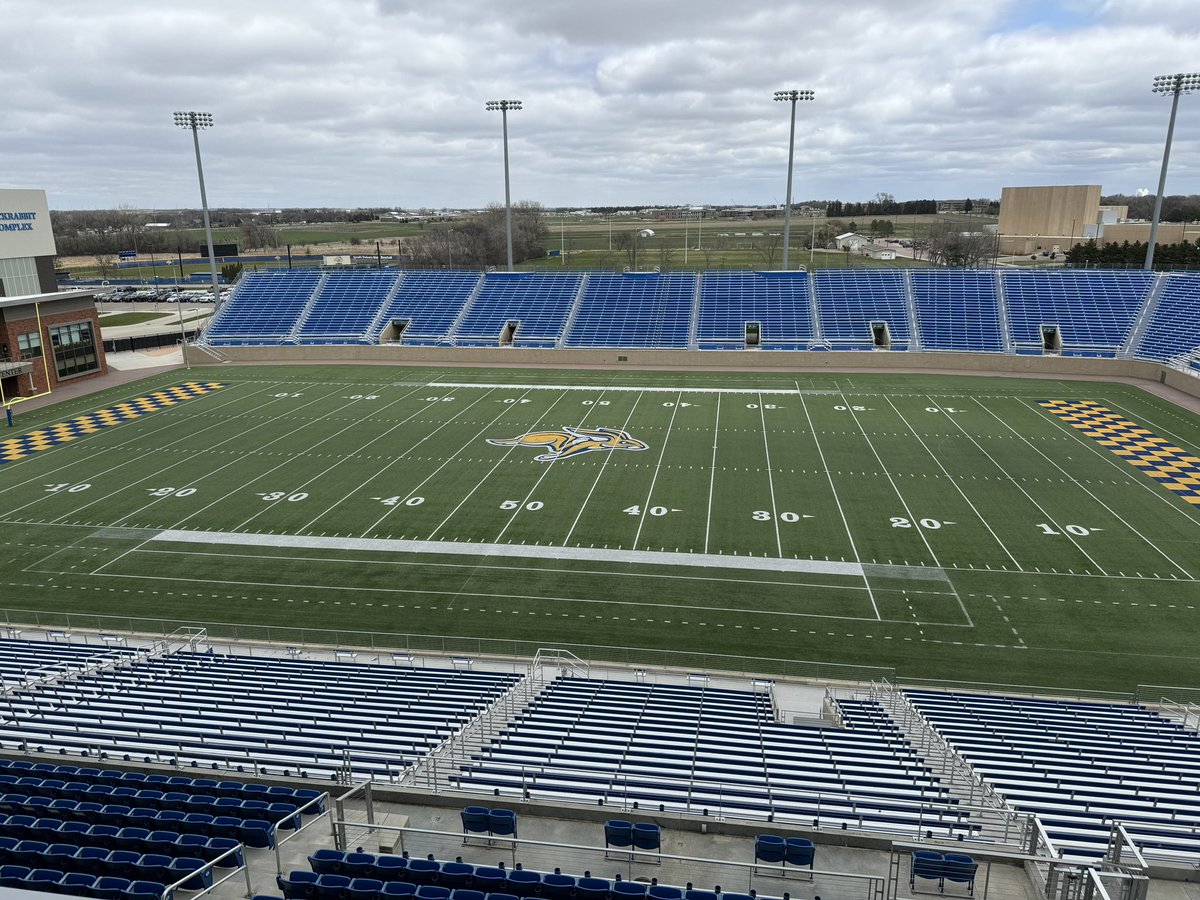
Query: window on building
[
  {"x": 29, "y": 345},
  {"x": 74, "y": 349}
]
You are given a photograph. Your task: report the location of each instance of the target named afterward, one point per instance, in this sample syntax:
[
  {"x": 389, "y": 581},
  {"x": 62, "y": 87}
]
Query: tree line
[
  {"x": 1089, "y": 255},
  {"x": 1175, "y": 208}
]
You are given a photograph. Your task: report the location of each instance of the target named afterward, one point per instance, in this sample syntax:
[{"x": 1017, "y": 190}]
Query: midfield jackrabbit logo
[{"x": 568, "y": 441}]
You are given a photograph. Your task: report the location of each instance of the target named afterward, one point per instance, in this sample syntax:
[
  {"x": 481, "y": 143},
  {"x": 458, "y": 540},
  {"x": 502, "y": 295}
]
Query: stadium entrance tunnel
[
  {"x": 509, "y": 332},
  {"x": 1051, "y": 339},
  {"x": 393, "y": 333},
  {"x": 881, "y": 336},
  {"x": 753, "y": 335}
]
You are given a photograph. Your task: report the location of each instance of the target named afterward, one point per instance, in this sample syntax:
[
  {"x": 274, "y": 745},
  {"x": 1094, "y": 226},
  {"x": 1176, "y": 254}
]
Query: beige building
[
  {"x": 1040, "y": 219},
  {"x": 1033, "y": 219}
]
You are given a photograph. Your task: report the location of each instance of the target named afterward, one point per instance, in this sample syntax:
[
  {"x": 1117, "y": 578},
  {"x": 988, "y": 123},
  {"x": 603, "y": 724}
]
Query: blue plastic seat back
[
  {"x": 475, "y": 820},
  {"x": 523, "y": 882},
  {"x": 146, "y": 889},
  {"x": 769, "y": 848},
  {"x": 398, "y": 889},
  {"x": 927, "y": 864},
  {"x": 182, "y": 865},
  {"x": 489, "y": 878},
  {"x": 358, "y": 865},
  {"x": 257, "y": 833},
  {"x": 110, "y": 887},
  {"x": 12, "y": 875},
  {"x": 433, "y": 892},
  {"x": 593, "y": 889},
  {"x": 647, "y": 836},
  {"x": 467, "y": 894},
  {"x": 298, "y": 884},
  {"x": 391, "y": 868},
  {"x": 800, "y": 852},
  {"x": 455, "y": 874},
  {"x": 699, "y": 895},
  {"x": 502, "y": 822},
  {"x": 219, "y": 846},
  {"x": 326, "y": 860},
  {"x": 618, "y": 833},
  {"x": 558, "y": 887},
  {"x": 664, "y": 892},
  {"x": 155, "y": 867},
  {"x": 363, "y": 889},
  {"x": 331, "y": 887},
  {"x": 960, "y": 868},
  {"x": 628, "y": 890},
  {"x": 423, "y": 871},
  {"x": 77, "y": 883}
]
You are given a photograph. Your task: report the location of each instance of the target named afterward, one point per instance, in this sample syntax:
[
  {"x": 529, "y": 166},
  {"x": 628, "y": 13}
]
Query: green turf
[{"x": 944, "y": 489}]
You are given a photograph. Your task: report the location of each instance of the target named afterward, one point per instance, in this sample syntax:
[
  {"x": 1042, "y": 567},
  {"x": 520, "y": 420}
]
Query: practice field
[{"x": 975, "y": 529}]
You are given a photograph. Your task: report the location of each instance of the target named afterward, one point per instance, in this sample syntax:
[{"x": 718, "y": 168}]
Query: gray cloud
[{"x": 357, "y": 102}]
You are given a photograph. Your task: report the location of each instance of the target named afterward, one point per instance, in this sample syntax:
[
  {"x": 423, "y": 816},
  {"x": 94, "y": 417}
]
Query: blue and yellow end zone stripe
[
  {"x": 25, "y": 445},
  {"x": 1173, "y": 468}
]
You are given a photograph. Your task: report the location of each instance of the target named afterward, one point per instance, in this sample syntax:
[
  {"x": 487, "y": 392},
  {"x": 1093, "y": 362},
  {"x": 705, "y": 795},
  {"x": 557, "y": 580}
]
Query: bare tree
[
  {"x": 105, "y": 264},
  {"x": 259, "y": 235},
  {"x": 946, "y": 247},
  {"x": 767, "y": 248}
]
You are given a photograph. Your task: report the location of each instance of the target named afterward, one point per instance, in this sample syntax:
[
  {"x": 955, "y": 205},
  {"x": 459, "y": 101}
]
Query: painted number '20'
[
  {"x": 900, "y": 522},
  {"x": 172, "y": 492}
]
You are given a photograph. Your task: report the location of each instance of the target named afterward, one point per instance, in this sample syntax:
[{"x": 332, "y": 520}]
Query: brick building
[{"x": 47, "y": 337}]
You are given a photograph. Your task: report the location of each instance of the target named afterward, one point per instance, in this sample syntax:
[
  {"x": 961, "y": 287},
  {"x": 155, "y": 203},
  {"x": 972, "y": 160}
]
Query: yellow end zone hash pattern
[
  {"x": 44, "y": 438},
  {"x": 1173, "y": 468}
]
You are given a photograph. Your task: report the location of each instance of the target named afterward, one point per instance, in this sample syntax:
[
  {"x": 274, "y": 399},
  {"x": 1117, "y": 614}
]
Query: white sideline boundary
[
  {"x": 524, "y": 551},
  {"x": 628, "y": 388}
]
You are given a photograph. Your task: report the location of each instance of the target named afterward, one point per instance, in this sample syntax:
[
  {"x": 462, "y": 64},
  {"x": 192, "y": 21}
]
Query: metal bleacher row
[
  {"x": 270, "y": 716},
  {"x": 705, "y": 751},
  {"x": 1079, "y": 766},
  {"x": 1095, "y": 312},
  {"x": 672, "y": 747}
]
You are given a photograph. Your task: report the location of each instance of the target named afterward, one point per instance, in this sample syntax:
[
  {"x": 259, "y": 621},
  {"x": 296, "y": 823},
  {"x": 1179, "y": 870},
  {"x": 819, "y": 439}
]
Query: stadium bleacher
[
  {"x": 691, "y": 749},
  {"x": 958, "y": 309},
  {"x": 851, "y": 299},
  {"x": 1095, "y": 311},
  {"x": 779, "y": 302},
  {"x": 1079, "y": 766},
  {"x": 299, "y": 717}
]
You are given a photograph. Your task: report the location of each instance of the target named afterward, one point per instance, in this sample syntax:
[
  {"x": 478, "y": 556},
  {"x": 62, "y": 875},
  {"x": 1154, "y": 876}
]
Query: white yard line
[
  {"x": 770, "y": 477},
  {"x": 600, "y": 473},
  {"x": 135, "y": 437},
  {"x": 1050, "y": 519},
  {"x": 386, "y": 466},
  {"x": 657, "y": 466},
  {"x": 1149, "y": 543},
  {"x": 712, "y": 480},
  {"x": 954, "y": 482},
  {"x": 837, "y": 500},
  {"x": 412, "y": 492},
  {"x": 523, "y": 551},
  {"x": 546, "y": 471},
  {"x": 345, "y": 457},
  {"x": 189, "y": 461}
]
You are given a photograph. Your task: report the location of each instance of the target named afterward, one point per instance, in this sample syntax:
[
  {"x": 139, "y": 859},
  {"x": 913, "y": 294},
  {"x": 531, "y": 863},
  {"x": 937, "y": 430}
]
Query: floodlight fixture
[
  {"x": 194, "y": 121},
  {"x": 637, "y": 236},
  {"x": 1173, "y": 85},
  {"x": 790, "y": 97},
  {"x": 504, "y": 106}
]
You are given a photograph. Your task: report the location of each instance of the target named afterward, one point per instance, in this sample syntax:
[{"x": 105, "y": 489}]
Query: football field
[{"x": 974, "y": 528}]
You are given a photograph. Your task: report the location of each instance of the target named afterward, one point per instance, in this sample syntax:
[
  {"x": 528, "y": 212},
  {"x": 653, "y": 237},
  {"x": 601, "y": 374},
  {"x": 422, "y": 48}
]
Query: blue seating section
[
  {"x": 292, "y": 717},
  {"x": 1175, "y": 326},
  {"x": 264, "y": 308},
  {"x": 958, "y": 309},
  {"x": 691, "y": 749},
  {"x": 1094, "y": 310},
  {"x": 431, "y": 301},
  {"x": 346, "y": 306},
  {"x": 851, "y": 299},
  {"x": 779, "y": 301},
  {"x": 367, "y": 876},
  {"x": 635, "y": 309},
  {"x": 539, "y": 301},
  {"x": 1079, "y": 766}
]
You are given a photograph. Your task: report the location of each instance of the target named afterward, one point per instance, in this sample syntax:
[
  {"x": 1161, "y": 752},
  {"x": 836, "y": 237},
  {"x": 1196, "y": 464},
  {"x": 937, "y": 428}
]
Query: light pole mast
[
  {"x": 791, "y": 97},
  {"x": 504, "y": 106},
  {"x": 195, "y": 121},
  {"x": 1181, "y": 83}
]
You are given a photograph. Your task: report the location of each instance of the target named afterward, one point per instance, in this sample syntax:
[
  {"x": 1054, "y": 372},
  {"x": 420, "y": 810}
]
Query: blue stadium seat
[{"x": 299, "y": 884}]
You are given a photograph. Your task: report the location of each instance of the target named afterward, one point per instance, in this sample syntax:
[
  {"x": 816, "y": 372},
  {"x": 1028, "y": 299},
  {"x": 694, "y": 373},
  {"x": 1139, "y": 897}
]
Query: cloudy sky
[{"x": 381, "y": 102}]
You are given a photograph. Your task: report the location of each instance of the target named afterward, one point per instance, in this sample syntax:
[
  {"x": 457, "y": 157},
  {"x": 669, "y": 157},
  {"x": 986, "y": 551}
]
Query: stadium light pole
[
  {"x": 1180, "y": 83},
  {"x": 637, "y": 235},
  {"x": 195, "y": 121},
  {"x": 504, "y": 106},
  {"x": 790, "y": 97}
]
